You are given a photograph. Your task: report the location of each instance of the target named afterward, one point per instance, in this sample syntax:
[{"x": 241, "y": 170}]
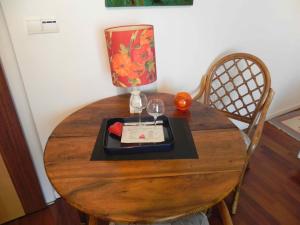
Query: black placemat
[{"x": 184, "y": 147}]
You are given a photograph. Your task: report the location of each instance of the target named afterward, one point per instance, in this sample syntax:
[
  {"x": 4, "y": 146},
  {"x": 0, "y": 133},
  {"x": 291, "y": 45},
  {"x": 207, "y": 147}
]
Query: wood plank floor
[
  {"x": 270, "y": 194},
  {"x": 271, "y": 191},
  {"x": 58, "y": 213}
]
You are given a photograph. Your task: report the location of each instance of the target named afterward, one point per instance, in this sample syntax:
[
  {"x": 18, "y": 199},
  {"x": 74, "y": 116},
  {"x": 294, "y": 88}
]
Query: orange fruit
[{"x": 183, "y": 101}]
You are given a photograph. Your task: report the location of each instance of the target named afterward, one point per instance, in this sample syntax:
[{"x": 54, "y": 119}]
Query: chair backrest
[{"x": 237, "y": 84}]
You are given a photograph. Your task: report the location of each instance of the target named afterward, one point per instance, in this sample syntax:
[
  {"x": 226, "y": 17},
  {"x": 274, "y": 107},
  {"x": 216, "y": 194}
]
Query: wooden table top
[{"x": 146, "y": 190}]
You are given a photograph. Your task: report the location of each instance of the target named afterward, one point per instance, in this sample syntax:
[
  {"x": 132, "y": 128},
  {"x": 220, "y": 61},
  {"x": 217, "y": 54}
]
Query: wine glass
[
  {"x": 155, "y": 108},
  {"x": 139, "y": 103}
]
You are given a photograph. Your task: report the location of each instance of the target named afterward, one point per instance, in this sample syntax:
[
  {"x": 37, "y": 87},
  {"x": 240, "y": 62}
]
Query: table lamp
[{"x": 131, "y": 56}]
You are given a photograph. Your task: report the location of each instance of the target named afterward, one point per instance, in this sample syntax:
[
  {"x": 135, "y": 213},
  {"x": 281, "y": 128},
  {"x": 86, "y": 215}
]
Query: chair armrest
[{"x": 256, "y": 128}]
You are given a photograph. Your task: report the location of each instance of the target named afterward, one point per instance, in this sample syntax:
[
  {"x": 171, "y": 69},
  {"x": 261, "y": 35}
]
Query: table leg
[
  {"x": 94, "y": 221},
  {"x": 224, "y": 213}
]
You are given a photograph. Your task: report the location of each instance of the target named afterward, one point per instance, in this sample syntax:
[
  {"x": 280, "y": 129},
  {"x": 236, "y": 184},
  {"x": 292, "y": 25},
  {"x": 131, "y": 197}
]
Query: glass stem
[
  {"x": 155, "y": 118},
  {"x": 140, "y": 120}
]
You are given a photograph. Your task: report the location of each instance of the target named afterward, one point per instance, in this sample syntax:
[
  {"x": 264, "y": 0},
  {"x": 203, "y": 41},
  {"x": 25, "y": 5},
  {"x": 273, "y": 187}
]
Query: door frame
[
  {"x": 21, "y": 101},
  {"x": 15, "y": 152}
]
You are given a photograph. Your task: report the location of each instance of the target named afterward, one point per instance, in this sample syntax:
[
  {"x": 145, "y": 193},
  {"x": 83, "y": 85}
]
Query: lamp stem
[
  {"x": 140, "y": 120},
  {"x": 134, "y": 91}
]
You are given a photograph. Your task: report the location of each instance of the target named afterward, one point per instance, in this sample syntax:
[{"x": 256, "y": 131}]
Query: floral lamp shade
[{"x": 131, "y": 55}]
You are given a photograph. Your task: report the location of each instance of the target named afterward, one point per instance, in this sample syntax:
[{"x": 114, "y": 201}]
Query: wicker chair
[{"x": 239, "y": 85}]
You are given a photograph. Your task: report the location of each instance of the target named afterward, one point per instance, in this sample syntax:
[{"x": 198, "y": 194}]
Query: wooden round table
[{"x": 145, "y": 190}]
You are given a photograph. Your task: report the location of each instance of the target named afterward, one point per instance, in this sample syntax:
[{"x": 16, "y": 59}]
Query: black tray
[
  {"x": 184, "y": 147},
  {"x": 113, "y": 145}
]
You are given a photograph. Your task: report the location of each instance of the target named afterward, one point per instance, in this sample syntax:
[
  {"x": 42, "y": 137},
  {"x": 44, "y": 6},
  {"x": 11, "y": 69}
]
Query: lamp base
[{"x": 131, "y": 109}]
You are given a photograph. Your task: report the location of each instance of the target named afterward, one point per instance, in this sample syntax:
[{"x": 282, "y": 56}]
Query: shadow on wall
[
  {"x": 102, "y": 51},
  {"x": 145, "y": 88},
  {"x": 166, "y": 86}
]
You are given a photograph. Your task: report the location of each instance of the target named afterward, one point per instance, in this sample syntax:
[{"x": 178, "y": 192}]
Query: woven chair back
[{"x": 238, "y": 85}]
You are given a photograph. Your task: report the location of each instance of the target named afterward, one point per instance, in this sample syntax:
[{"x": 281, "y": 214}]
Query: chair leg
[
  {"x": 248, "y": 166},
  {"x": 224, "y": 213},
  {"x": 235, "y": 200},
  {"x": 208, "y": 212},
  {"x": 102, "y": 222},
  {"x": 94, "y": 221},
  {"x": 237, "y": 192}
]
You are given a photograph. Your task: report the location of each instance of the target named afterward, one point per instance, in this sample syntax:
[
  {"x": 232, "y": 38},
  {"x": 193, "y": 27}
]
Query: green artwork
[{"x": 119, "y": 3}]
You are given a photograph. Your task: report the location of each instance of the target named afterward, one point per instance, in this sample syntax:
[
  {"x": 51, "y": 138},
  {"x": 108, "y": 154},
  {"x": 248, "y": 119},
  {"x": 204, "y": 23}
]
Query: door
[
  {"x": 20, "y": 190},
  {"x": 10, "y": 204}
]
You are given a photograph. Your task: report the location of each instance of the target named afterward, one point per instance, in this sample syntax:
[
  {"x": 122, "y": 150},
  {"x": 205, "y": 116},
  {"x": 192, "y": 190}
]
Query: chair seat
[
  {"x": 241, "y": 127},
  {"x": 196, "y": 219},
  {"x": 246, "y": 138}
]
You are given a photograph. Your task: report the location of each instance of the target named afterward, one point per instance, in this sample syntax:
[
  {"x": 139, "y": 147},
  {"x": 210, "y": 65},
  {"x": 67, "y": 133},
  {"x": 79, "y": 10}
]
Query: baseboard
[{"x": 283, "y": 111}]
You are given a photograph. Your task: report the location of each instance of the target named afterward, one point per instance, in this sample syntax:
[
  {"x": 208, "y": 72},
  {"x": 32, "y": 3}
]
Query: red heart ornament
[{"x": 116, "y": 129}]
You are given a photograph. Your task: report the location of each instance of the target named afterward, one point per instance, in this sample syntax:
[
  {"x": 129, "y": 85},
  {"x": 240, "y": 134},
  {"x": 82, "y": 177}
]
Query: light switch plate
[
  {"x": 42, "y": 26},
  {"x": 49, "y": 26},
  {"x": 34, "y": 26}
]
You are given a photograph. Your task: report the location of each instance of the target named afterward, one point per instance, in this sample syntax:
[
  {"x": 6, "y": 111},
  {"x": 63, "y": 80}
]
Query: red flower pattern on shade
[
  {"x": 132, "y": 56},
  {"x": 121, "y": 64},
  {"x": 137, "y": 70},
  {"x": 142, "y": 54},
  {"x": 146, "y": 37}
]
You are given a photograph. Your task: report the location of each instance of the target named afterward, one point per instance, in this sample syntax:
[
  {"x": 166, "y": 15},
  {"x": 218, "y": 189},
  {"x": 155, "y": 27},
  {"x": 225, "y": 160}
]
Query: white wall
[
  {"x": 64, "y": 71},
  {"x": 16, "y": 86}
]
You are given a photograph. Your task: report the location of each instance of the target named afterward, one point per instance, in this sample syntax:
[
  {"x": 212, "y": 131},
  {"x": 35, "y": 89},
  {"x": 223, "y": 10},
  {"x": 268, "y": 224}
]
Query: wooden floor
[
  {"x": 59, "y": 213},
  {"x": 271, "y": 191},
  {"x": 270, "y": 194}
]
